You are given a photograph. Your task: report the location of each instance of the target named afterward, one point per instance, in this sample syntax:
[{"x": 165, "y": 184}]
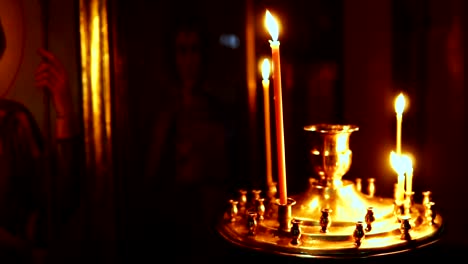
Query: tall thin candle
[
  {"x": 273, "y": 29},
  {"x": 399, "y": 107},
  {"x": 266, "y": 105}
]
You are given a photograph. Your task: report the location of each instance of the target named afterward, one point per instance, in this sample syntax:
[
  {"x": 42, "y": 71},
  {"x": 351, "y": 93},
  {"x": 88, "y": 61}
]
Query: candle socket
[
  {"x": 242, "y": 200},
  {"x": 233, "y": 210},
  {"x": 260, "y": 209},
  {"x": 405, "y": 228},
  {"x": 255, "y": 196},
  {"x": 252, "y": 223},
  {"x": 358, "y": 234},
  {"x": 358, "y": 184},
  {"x": 285, "y": 214},
  {"x": 296, "y": 232},
  {"x": 426, "y": 197},
  {"x": 371, "y": 187}
]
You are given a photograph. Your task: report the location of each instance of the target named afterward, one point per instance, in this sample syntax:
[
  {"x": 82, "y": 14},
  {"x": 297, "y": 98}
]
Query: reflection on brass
[
  {"x": 389, "y": 226},
  {"x": 330, "y": 155},
  {"x": 97, "y": 123},
  {"x": 94, "y": 44}
]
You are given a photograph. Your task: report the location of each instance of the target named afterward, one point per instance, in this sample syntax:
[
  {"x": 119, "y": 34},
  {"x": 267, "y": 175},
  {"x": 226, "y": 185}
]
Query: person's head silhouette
[{"x": 190, "y": 50}]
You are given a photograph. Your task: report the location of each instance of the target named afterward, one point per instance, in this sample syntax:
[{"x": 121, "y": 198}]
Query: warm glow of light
[
  {"x": 397, "y": 163},
  {"x": 266, "y": 69},
  {"x": 95, "y": 79},
  {"x": 272, "y": 26},
  {"x": 342, "y": 142},
  {"x": 407, "y": 163},
  {"x": 400, "y": 104},
  {"x": 345, "y": 159},
  {"x": 95, "y": 60},
  {"x": 313, "y": 203}
]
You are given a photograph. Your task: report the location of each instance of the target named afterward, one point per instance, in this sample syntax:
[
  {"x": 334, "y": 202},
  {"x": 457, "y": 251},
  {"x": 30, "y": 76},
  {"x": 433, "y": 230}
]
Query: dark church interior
[{"x": 150, "y": 117}]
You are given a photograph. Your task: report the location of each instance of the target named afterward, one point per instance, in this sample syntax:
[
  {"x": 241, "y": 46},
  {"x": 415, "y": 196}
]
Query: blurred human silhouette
[
  {"x": 187, "y": 163},
  {"x": 24, "y": 182}
]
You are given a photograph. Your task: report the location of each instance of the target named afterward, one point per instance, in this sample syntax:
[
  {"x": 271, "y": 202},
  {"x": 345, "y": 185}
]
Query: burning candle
[
  {"x": 399, "y": 107},
  {"x": 266, "y": 98},
  {"x": 399, "y": 167},
  {"x": 409, "y": 173},
  {"x": 273, "y": 29}
]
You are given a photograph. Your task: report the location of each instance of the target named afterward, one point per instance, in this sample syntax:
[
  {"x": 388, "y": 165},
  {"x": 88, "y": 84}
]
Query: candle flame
[
  {"x": 400, "y": 104},
  {"x": 272, "y": 26},
  {"x": 266, "y": 69},
  {"x": 407, "y": 163},
  {"x": 401, "y": 163},
  {"x": 397, "y": 163}
]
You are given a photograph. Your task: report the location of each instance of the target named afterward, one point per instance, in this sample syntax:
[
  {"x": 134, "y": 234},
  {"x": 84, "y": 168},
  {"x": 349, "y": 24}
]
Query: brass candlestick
[{"x": 332, "y": 218}]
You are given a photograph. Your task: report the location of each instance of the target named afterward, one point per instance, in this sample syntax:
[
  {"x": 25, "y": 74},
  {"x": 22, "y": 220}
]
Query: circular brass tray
[{"x": 384, "y": 238}]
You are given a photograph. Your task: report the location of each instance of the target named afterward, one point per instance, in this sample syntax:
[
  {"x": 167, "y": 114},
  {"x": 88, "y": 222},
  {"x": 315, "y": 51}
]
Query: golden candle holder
[{"x": 333, "y": 218}]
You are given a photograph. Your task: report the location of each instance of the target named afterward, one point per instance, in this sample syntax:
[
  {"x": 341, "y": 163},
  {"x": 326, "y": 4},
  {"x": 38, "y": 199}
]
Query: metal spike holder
[{"x": 333, "y": 218}]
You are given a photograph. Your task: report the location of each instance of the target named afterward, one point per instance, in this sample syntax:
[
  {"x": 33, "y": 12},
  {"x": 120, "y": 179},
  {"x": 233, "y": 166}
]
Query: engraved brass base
[{"x": 338, "y": 233}]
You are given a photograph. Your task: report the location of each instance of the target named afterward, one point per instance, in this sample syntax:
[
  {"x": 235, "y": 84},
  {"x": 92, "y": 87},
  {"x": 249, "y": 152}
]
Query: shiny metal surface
[
  {"x": 333, "y": 218},
  {"x": 330, "y": 155},
  {"x": 390, "y": 233},
  {"x": 97, "y": 105}
]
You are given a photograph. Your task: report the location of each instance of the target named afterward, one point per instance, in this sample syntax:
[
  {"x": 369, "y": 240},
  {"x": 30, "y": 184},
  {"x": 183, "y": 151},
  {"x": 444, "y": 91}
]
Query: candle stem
[
  {"x": 266, "y": 99},
  {"x": 409, "y": 182},
  {"x": 279, "y": 121},
  {"x": 401, "y": 187},
  {"x": 398, "y": 135}
]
